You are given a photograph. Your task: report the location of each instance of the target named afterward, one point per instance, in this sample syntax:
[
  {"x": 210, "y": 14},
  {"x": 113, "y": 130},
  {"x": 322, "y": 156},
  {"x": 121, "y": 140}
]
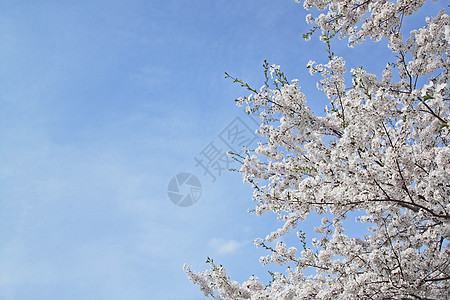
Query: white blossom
[{"x": 381, "y": 150}]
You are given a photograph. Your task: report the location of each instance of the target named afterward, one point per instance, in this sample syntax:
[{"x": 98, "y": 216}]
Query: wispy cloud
[{"x": 222, "y": 246}]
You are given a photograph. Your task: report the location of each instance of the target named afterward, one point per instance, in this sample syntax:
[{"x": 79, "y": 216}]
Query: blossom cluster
[{"x": 382, "y": 149}]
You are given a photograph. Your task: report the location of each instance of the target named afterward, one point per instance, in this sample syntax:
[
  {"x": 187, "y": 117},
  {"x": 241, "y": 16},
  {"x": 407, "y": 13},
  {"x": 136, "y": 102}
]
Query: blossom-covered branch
[{"x": 382, "y": 150}]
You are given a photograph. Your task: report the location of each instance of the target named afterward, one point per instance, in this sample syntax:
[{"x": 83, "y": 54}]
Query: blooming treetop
[{"x": 382, "y": 149}]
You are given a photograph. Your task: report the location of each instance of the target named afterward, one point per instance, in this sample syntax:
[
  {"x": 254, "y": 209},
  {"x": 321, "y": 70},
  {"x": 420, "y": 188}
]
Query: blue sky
[{"x": 101, "y": 104}]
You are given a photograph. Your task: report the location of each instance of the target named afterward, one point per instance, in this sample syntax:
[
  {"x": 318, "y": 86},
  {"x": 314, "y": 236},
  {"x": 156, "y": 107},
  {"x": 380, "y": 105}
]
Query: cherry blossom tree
[{"x": 381, "y": 150}]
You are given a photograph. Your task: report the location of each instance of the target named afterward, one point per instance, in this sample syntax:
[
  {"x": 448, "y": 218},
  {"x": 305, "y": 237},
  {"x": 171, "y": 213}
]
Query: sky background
[{"x": 101, "y": 104}]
